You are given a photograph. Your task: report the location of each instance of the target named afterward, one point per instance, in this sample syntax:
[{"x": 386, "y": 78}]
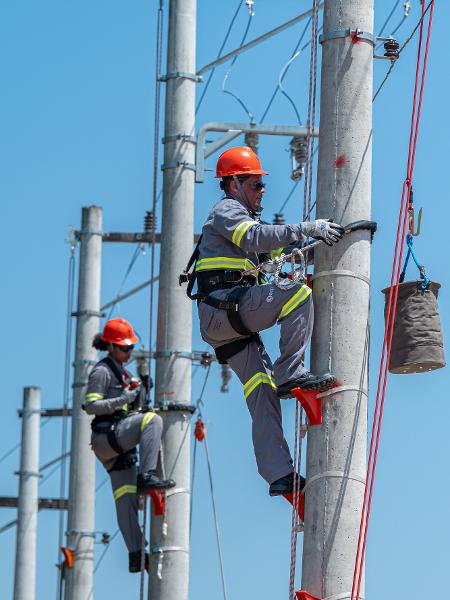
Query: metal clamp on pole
[
  {"x": 81, "y": 232},
  {"x": 176, "y": 165},
  {"x": 184, "y": 137},
  {"x": 181, "y": 75},
  {"x": 356, "y": 35},
  {"x": 88, "y": 313}
]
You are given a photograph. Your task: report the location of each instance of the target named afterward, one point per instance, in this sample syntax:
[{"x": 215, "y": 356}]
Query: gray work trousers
[
  {"x": 260, "y": 308},
  {"x": 144, "y": 429}
]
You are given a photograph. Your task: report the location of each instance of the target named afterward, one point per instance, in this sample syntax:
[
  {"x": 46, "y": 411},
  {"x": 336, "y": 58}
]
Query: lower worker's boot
[
  {"x": 307, "y": 381},
  {"x": 134, "y": 562},
  {"x": 150, "y": 481},
  {"x": 285, "y": 485}
]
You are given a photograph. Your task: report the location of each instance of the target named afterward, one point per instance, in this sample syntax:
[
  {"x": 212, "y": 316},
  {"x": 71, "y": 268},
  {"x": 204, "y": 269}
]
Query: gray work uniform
[
  {"x": 103, "y": 398},
  {"x": 232, "y": 239}
]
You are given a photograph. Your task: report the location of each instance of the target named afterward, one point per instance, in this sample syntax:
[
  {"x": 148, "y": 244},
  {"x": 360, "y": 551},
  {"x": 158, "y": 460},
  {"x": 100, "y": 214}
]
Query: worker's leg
[
  {"x": 124, "y": 493},
  {"x": 260, "y": 308},
  {"x": 253, "y": 367},
  {"x": 144, "y": 429}
]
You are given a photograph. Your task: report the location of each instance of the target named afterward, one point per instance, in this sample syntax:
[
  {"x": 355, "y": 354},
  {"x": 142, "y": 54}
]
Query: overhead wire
[
  {"x": 228, "y": 73},
  {"x": 227, "y": 35},
  {"x": 401, "y": 49},
  {"x": 131, "y": 264},
  {"x": 17, "y": 446}
]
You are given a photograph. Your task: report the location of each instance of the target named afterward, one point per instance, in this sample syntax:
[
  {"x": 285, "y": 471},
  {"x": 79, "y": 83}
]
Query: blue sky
[{"x": 76, "y": 109}]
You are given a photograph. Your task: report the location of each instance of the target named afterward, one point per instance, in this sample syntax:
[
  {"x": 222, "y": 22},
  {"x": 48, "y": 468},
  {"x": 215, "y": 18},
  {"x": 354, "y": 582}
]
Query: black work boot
[
  {"x": 285, "y": 485},
  {"x": 134, "y": 561},
  {"x": 307, "y": 381},
  {"x": 150, "y": 481}
]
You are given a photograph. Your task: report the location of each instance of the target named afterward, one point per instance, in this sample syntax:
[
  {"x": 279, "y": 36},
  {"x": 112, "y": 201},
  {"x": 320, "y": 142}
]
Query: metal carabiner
[{"x": 412, "y": 231}]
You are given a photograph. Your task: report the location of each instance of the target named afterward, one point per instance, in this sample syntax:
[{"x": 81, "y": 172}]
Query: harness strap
[
  {"x": 225, "y": 352},
  {"x": 112, "y": 439}
]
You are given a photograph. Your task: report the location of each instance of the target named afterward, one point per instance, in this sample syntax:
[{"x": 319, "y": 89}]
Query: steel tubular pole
[
  {"x": 25, "y": 569},
  {"x": 80, "y": 527},
  {"x": 341, "y": 332},
  {"x": 169, "y": 549}
]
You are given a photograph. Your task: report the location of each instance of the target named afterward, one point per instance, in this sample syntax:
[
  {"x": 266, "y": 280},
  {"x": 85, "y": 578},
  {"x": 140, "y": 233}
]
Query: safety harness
[
  {"x": 219, "y": 279},
  {"x": 107, "y": 424}
]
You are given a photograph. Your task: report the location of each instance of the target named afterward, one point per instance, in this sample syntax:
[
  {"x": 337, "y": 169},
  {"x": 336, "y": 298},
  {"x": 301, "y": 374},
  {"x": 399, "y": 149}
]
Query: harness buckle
[
  {"x": 183, "y": 278},
  {"x": 232, "y": 276}
]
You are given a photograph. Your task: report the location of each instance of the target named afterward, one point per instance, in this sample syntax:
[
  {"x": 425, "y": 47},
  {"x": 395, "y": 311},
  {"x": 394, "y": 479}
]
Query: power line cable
[
  {"x": 107, "y": 547},
  {"x": 389, "y": 17},
  {"x": 230, "y": 27},
  {"x": 409, "y": 38},
  {"x": 131, "y": 264},
  {"x": 228, "y": 73},
  {"x": 16, "y": 446}
]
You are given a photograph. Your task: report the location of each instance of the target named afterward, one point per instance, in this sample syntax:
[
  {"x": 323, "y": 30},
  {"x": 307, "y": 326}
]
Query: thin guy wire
[
  {"x": 66, "y": 393},
  {"x": 409, "y": 38},
  {"x": 194, "y": 464},
  {"x": 102, "y": 556},
  {"x": 389, "y": 17},
  {"x": 206, "y": 86},
  {"x": 125, "y": 277},
  {"x": 159, "y": 43},
  {"x": 216, "y": 523},
  {"x": 16, "y": 446},
  {"x": 283, "y": 91}
]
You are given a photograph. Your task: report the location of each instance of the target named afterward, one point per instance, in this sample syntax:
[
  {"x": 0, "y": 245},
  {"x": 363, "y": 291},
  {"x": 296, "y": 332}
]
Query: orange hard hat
[
  {"x": 240, "y": 160},
  {"x": 119, "y": 331}
]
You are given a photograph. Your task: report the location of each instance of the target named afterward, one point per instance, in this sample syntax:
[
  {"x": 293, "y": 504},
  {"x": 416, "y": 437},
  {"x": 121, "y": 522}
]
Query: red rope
[{"x": 392, "y": 303}]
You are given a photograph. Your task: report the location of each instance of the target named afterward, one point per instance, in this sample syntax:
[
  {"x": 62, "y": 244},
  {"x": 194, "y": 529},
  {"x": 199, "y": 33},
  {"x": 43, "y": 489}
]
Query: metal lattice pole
[
  {"x": 169, "y": 545},
  {"x": 25, "y": 570},
  {"x": 337, "y": 449},
  {"x": 80, "y": 534}
]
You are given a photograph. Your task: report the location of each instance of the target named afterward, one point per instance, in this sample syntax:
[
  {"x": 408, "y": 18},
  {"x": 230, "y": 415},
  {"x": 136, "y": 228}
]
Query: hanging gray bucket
[{"x": 417, "y": 343}]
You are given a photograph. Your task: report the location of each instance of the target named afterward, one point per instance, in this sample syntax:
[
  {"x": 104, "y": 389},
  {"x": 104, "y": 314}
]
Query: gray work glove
[
  {"x": 324, "y": 230},
  {"x": 129, "y": 396}
]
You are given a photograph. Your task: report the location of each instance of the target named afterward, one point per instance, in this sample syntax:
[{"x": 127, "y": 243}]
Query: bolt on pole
[
  {"x": 169, "y": 550},
  {"x": 79, "y": 582},
  {"x": 336, "y": 455},
  {"x": 28, "y": 500}
]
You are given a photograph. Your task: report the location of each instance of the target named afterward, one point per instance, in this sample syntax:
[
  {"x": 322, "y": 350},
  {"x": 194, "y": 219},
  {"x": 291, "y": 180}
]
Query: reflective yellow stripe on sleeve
[
  {"x": 146, "y": 420},
  {"x": 240, "y": 230},
  {"x": 256, "y": 380},
  {"x": 122, "y": 490},
  {"x": 293, "y": 302},
  {"x": 224, "y": 262},
  {"x": 93, "y": 397},
  {"x": 276, "y": 253}
]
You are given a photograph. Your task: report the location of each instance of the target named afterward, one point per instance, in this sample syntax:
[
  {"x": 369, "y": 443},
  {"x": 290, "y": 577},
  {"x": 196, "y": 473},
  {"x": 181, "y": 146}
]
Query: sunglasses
[
  {"x": 258, "y": 186},
  {"x": 125, "y": 348}
]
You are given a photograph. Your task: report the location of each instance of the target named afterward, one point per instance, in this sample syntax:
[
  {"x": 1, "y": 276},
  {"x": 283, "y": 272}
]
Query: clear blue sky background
[{"x": 76, "y": 106}]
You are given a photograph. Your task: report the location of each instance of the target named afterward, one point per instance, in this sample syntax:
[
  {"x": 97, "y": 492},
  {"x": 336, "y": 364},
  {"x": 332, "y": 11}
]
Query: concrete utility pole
[
  {"x": 80, "y": 534},
  {"x": 169, "y": 559},
  {"x": 25, "y": 571},
  {"x": 336, "y": 461}
]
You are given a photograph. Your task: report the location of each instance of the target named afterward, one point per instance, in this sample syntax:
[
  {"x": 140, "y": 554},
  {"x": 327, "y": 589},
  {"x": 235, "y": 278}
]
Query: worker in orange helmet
[
  {"x": 115, "y": 398},
  {"x": 233, "y": 308}
]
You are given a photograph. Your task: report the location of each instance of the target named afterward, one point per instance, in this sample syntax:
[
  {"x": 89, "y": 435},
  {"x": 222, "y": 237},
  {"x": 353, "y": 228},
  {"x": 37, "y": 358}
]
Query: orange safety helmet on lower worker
[
  {"x": 240, "y": 160},
  {"x": 119, "y": 332}
]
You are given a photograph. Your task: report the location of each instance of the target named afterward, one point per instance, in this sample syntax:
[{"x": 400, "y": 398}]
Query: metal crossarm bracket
[
  {"x": 176, "y": 165},
  {"x": 364, "y": 36},
  {"x": 181, "y": 75},
  {"x": 87, "y": 313}
]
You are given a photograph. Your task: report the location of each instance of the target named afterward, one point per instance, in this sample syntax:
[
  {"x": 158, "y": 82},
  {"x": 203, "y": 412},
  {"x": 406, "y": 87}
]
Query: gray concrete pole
[
  {"x": 25, "y": 570},
  {"x": 169, "y": 561},
  {"x": 336, "y": 458},
  {"x": 79, "y": 579}
]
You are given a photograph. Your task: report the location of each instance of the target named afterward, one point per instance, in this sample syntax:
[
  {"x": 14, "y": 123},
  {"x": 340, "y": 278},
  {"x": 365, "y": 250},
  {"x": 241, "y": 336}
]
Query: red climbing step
[
  {"x": 311, "y": 404},
  {"x": 158, "y": 501},
  {"x": 300, "y": 503},
  {"x": 301, "y": 595}
]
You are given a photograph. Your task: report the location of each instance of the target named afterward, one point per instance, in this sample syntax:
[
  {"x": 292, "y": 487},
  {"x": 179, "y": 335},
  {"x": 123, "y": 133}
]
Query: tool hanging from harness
[
  {"x": 220, "y": 279},
  {"x": 107, "y": 424}
]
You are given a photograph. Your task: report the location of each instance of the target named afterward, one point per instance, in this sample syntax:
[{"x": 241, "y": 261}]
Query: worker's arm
[
  {"x": 95, "y": 402},
  {"x": 233, "y": 222}
]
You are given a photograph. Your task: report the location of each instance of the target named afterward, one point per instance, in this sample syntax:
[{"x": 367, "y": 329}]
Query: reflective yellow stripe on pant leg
[
  {"x": 256, "y": 380},
  {"x": 293, "y": 302},
  {"x": 146, "y": 420},
  {"x": 122, "y": 490}
]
